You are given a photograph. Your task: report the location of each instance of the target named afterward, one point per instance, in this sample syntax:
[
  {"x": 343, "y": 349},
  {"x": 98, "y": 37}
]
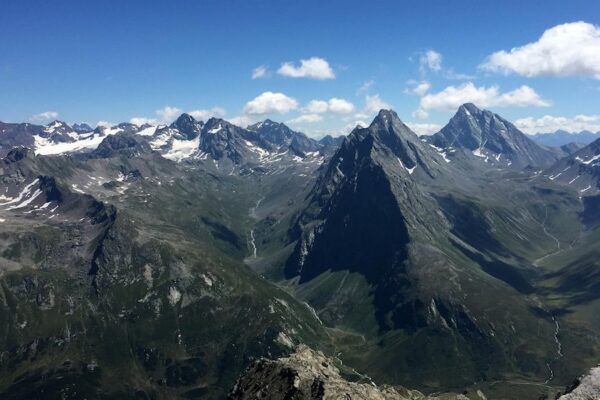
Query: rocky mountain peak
[
  {"x": 125, "y": 143},
  {"x": 188, "y": 126},
  {"x": 82, "y": 127},
  {"x": 490, "y": 138}
]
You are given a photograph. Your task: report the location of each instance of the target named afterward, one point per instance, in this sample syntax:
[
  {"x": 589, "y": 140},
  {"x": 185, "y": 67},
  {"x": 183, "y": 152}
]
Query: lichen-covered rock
[{"x": 310, "y": 375}]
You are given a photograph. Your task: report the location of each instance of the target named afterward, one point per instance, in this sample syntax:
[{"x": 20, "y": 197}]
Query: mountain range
[
  {"x": 162, "y": 261},
  {"x": 561, "y": 138}
]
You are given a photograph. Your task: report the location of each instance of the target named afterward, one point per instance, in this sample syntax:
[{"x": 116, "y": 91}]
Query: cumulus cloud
[
  {"x": 168, "y": 113},
  {"x": 430, "y": 60},
  {"x": 571, "y": 49},
  {"x": 317, "y": 106},
  {"x": 259, "y": 72},
  {"x": 452, "y": 97},
  {"x": 139, "y": 121},
  {"x": 104, "y": 124},
  {"x": 424, "y": 129},
  {"x": 269, "y": 102},
  {"x": 243, "y": 120},
  {"x": 44, "y": 116},
  {"x": 549, "y": 123},
  {"x": 340, "y": 106},
  {"x": 313, "y": 68},
  {"x": 306, "y": 118},
  {"x": 205, "y": 114},
  {"x": 418, "y": 87},
  {"x": 374, "y": 103},
  {"x": 334, "y": 105}
]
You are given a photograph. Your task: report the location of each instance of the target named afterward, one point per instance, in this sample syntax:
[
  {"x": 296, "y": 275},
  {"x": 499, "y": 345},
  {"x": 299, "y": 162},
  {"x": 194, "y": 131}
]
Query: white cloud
[
  {"x": 334, "y": 105},
  {"x": 431, "y": 60},
  {"x": 204, "y": 114},
  {"x": 259, "y": 72},
  {"x": 452, "y": 97},
  {"x": 168, "y": 113},
  {"x": 44, "y": 116},
  {"x": 243, "y": 120},
  {"x": 364, "y": 88},
  {"x": 374, "y": 103},
  {"x": 139, "y": 121},
  {"x": 317, "y": 106},
  {"x": 306, "y": 118},
  {"x": 424, "y": 129},
  {"x": 418, "y": 87},
  {"x": 549, "y": 123},
  {"x": 269, "y": 102},
  {"x": 340, "y": 106},
  {"x": 314, "y": 68},
  {"x": 420, "y": 113},
  {"x": 104, "y": 124},
  {"x": 571, "y": 49}
]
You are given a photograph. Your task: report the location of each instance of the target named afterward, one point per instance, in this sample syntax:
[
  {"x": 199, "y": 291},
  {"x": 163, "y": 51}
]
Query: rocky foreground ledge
[
  {"x": 309, "y": 375},
  {"x": 585, "y": 388}
]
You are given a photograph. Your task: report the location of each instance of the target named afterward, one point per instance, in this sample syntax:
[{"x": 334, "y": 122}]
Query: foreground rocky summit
[
  {"x": 309, "y": 375},
  {"x": 585, "y": 388}
]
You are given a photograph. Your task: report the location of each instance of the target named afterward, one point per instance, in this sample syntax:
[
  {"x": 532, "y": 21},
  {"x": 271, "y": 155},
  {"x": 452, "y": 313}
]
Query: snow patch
[{"x": 174, "y": 295}]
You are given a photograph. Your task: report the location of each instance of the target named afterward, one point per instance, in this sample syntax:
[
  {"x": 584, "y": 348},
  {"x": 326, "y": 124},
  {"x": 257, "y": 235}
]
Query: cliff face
[{"x": 310, "y": 375}]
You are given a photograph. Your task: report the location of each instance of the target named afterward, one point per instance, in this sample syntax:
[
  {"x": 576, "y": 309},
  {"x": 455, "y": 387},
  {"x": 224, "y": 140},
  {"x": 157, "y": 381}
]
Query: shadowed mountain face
[
  {"x": 363, "y": 217},
  {"x": 492, "y": 139}
]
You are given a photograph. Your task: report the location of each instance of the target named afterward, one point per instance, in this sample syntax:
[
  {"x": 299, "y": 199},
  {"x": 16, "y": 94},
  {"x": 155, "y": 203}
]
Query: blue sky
[{"x": 117, "y": 60}]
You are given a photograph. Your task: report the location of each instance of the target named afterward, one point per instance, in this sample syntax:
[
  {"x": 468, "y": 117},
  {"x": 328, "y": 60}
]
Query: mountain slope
[
  {"x": 121, "y": 275},
  {"x": 382, "y": 251}
]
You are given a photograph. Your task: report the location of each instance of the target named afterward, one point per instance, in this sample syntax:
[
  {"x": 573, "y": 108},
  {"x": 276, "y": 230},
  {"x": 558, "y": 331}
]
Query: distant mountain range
[
  {"x": 560, "y": 138},
  {"x": 163, "y": 261}
]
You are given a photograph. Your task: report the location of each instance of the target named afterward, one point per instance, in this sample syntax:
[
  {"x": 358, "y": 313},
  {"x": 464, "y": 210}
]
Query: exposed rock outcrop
[{"x": 310, "y": 375}]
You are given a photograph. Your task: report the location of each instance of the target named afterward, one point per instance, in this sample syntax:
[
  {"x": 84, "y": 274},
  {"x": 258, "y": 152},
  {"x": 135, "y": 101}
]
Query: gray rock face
[
  {"x": 82, "y": 128},
  {"x": 490, "y": 138},
  {"x": 580, "y": 171},
  {"x": 15, "y": 135},
  {"x": 368, "y": 203},
  {"x": 281, "y": 135},
  {"x": 585, "y": 388},
  {"x": 188, "y": 127},
  {"x": 127, "y": 144},
  {"x": 309, "y": 375}
]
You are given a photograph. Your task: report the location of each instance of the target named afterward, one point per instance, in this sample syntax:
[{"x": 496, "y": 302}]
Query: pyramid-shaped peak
[
  {"x": 56, "y": 124},
  {"x": 387, "y": 116},
  {"x": 185, "y": 117},
  {"x": 469, "y": 108},
  {"x": 388, "y": 121}
]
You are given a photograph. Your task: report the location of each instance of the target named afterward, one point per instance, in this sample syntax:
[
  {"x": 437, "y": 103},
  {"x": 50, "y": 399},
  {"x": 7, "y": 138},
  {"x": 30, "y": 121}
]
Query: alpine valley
[{"x": 168, "y": 262}]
